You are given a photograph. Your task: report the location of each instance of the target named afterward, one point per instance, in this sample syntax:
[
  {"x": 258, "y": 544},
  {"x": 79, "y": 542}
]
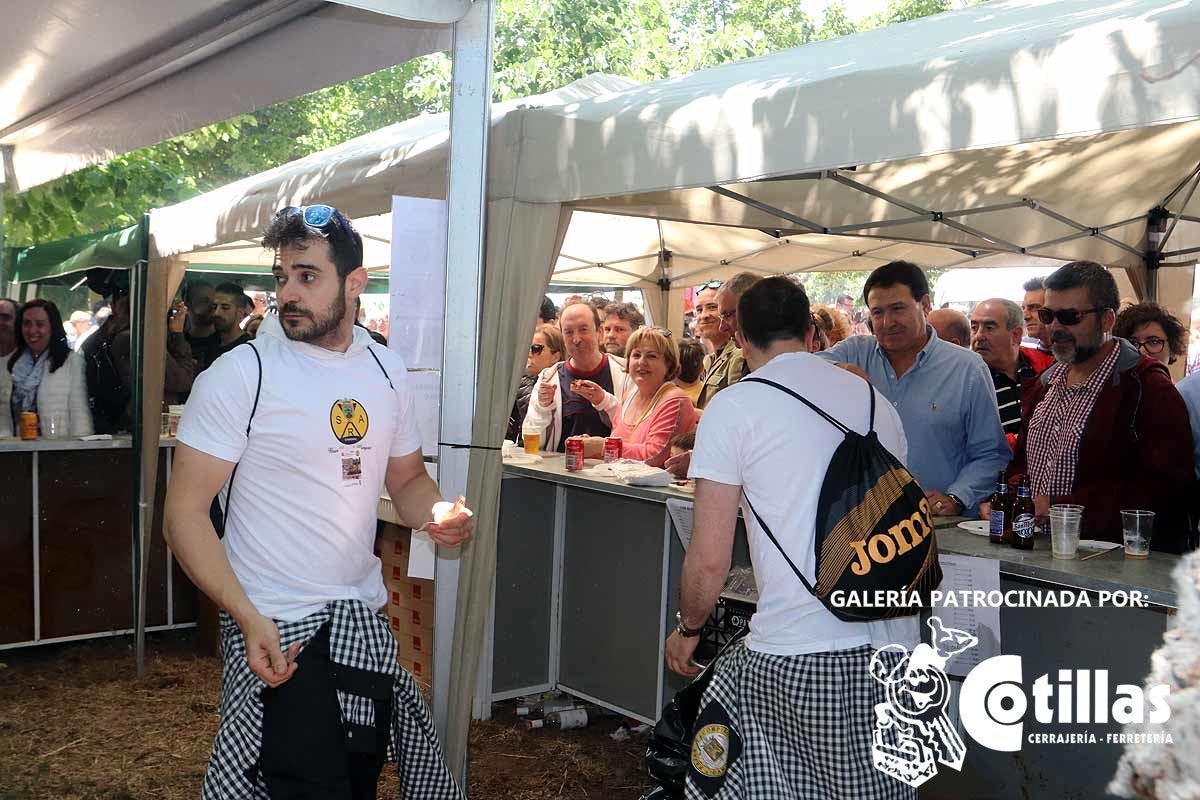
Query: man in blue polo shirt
[{"x": 944, "y": 394}]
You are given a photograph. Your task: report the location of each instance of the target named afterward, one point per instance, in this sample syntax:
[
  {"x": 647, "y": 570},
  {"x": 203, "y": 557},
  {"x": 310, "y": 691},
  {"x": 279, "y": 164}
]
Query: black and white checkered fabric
[
  {"x": 358, "y": 638},
  {"x": 805, "y": 724}
]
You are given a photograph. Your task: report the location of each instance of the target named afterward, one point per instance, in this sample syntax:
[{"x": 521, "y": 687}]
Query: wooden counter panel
[
  {"x": 85, "y": 542},
  {"x": 16, "y": 547}
]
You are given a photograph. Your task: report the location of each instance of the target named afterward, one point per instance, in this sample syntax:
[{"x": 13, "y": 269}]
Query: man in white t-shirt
[
  {"x": 804, "y": 719},
  {"x": 317, "y": 421}
]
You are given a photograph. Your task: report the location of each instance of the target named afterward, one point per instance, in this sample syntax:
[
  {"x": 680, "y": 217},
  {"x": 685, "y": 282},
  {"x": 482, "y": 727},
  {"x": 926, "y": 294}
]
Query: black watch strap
[{"x": 683, "y": 630}]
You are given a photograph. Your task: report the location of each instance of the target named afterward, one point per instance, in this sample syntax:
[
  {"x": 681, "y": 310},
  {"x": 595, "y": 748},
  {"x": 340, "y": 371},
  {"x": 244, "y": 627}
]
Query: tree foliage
[{"x": 539, "y": 46}]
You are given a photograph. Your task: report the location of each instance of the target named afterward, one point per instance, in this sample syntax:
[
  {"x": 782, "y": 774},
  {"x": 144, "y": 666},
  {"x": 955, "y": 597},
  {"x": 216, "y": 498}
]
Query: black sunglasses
[
  {"x": 536, "y": 349},
  {"x": 1065, "y": 316}
]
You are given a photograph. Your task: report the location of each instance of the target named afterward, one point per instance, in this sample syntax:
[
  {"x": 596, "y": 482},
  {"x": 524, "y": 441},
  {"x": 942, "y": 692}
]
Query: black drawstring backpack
[{"x": 874, "y": 529}]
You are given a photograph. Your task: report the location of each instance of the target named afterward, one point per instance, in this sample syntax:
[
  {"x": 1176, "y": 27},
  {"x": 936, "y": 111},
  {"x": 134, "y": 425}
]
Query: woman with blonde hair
[
  {"x": 656, "y": 410},
  {"x": 831, "y": 322}
]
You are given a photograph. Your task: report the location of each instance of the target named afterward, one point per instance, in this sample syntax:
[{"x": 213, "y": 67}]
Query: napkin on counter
[
  {"x": 96, "y": 437},
  {"x": 636, "y": 473}
]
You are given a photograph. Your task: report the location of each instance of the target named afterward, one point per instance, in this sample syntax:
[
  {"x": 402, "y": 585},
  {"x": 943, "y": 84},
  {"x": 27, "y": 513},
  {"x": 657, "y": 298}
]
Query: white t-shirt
[
  {"x": 300, "y": 528},
  {"x": 777, "y": 450}
]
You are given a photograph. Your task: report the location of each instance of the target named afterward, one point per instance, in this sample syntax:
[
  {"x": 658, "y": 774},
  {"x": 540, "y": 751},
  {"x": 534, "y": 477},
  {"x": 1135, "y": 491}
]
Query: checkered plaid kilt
[
  {"x": 805, "y": 723},
  {"x": 358, "y": 638}
]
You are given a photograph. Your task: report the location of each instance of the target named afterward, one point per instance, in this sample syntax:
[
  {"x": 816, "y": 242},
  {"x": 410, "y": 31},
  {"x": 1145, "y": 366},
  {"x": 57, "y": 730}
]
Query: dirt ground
[{"x": 76, "y": 724}]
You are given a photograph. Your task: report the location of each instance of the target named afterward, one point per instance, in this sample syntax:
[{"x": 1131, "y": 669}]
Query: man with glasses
[
  {"x": 1104, "y": 428},
  {"x": 724, "y": 366},
  {"x": 318, "y": 420}
]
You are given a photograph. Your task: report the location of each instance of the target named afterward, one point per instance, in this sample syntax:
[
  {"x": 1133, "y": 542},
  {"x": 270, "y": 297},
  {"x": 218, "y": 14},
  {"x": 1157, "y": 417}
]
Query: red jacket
[{"x": 1135, "y": 452}]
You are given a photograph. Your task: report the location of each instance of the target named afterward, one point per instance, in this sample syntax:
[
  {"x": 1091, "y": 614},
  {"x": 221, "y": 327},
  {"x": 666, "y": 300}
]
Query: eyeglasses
[
  {"x": 1151, "y": 344},
  {"x": 1065, "y": 316},
  {"x": 665, "y": 332},
  {"x": 711, "y": 285},
  {"x": 536, "y": 349}
]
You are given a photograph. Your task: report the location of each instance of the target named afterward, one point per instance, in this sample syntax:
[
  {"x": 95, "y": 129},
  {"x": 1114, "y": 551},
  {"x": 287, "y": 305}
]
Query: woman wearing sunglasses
[
  {"x": 546, "y": 350},
  {"x": 1152, "y": 330}
]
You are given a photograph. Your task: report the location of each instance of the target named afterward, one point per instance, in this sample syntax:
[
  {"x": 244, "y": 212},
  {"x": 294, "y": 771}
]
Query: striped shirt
[
  {"x": 1056, "y": 427},
  {"x": 1008, "y": 393}
]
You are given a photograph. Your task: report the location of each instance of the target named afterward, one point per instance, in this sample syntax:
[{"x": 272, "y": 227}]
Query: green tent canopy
[{"x": 65, "y": 260}]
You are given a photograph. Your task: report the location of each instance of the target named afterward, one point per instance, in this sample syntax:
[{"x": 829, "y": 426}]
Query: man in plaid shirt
[{"x": 1105, "y": 427}]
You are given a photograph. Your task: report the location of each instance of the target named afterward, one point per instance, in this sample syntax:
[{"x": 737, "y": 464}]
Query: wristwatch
[
  {"x": 961, "y": 505},
  {"x": 683, "y": 630}
]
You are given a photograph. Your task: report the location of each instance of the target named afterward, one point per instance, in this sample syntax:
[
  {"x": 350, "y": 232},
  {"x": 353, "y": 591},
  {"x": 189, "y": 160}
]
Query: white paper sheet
[
  {"x": 418, "y": 281},
  {"x": 966, "y": 574},
  {"x": 681, "y": 515},
  {"x": 422, "y": 561},
  {"x": 426, "y": 386}
]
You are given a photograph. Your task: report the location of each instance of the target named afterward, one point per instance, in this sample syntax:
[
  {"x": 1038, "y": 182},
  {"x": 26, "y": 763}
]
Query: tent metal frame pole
[
  {"x": 141, "y": 536},
  {"x": 470, "y": 126},
  {"x": 1179, "y": 188},
  {"x": 766, "y": 208},
  {"x": 1175, "y": 217},
  {"x": 585, "y": 263}
]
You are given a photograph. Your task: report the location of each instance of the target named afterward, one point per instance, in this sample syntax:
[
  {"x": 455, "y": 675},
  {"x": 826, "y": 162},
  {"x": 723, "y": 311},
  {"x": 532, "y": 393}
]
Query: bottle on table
[
  {"x": 1000, "y": 518},
  {"x": 1023, "y": 522}
]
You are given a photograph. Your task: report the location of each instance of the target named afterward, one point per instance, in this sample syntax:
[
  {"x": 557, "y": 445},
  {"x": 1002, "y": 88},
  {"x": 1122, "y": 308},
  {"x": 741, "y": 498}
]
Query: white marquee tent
[{"x": 1014, "y": 133}]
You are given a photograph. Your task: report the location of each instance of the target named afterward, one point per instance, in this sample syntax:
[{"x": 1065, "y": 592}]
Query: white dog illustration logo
[{"x": 912, "y": 731}]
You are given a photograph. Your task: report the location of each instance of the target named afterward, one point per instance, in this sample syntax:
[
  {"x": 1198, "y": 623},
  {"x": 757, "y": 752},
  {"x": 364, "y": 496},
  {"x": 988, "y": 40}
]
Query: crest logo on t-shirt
[{"x": 348, "y": 419}]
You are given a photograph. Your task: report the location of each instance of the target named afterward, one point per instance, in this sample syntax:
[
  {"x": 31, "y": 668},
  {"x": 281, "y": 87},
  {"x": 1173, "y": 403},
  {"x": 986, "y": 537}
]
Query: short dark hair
[
  {"x": 898, "y": 273},
  {"x": 598, "y": 302},
  {"x": 190, "y": 288},
  {"x": 626, "y": 311},
  {"x": 1133, "y": 317},
  {"x": 683, "y": 441},
  {"x": 288, "y": 229},
  {"x": 738, "y": 284},
  {"x": 773, "y": 309},
  {"x": 58, "y": 347},
  {"x": 16, "y": 307},
  {"x": 691, "y": 360},
  {"x": 231, "y": 289},
  {"x": 548, "y": 310},
  {"x": 247, "y": 302},
  {"x": 1099, "y": 282},
  {"x": 1034, "y": 285}
]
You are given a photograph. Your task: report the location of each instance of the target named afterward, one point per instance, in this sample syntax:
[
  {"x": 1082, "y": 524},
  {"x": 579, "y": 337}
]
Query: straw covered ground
[{"x": 76, "y": 724}]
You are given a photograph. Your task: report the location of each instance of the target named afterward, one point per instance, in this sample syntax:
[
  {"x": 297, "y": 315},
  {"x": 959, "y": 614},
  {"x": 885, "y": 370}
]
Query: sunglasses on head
[
  {"x": 318, "y": 217},
  {"x": 665, "y": 332},
  {"x": 1065, "y": 316}
]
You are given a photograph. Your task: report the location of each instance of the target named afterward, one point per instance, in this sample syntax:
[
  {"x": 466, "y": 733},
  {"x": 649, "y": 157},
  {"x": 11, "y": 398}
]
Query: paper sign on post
[
  {"x": 681, "y": 515},
  {"x": 418, "y": 281},
  {"x": 962, "y": 574}
]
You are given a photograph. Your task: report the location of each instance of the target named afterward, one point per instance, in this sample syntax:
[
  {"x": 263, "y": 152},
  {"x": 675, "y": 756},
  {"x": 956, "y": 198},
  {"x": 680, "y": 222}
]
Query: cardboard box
[
  {"x": 422, "y": 671},
  {"x": 411, "y": 593},
  {"x": 393, "y": 546},
  {"x": 409, "y": 619},
  {"x": 414, "y": 645}
]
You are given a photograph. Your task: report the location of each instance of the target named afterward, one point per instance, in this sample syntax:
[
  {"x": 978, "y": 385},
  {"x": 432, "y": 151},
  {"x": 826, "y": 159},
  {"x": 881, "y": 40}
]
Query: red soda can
[
  {"x": 574, "y": 453},
  {"x": 612, "y": 449}
]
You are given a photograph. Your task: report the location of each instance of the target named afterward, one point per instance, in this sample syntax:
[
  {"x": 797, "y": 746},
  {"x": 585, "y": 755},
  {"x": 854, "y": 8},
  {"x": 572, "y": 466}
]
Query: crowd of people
[
  {"x": 78, "y": 376},
  {"x": 1065, "y": 390}
]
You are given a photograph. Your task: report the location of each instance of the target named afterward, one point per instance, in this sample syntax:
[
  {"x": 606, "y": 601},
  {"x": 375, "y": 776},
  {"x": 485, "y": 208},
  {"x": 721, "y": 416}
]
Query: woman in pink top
[{"x": 652, "y": 414}]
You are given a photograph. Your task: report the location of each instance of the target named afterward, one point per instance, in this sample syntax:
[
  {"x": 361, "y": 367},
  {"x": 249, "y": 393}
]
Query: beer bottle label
[
  {"x": 1023, "y": 526},
  {"x": 996, "y": 523}
]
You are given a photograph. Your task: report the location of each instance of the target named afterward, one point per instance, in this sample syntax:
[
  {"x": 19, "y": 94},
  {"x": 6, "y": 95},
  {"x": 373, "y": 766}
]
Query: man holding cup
[
  {"x": 1104, "y": 428},
  {"x": 318, "y": 420}
]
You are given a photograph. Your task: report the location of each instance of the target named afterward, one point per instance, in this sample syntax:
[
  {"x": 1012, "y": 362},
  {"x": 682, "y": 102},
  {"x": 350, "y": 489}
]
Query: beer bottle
[
  {"x": 1023, "y": 527},
  {"x": 1000, "y": 519}
]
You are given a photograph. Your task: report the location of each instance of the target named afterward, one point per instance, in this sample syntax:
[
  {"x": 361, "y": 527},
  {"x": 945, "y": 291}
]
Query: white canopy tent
[
  {"x": 86, "y": 80},
  {"x": 1015, "y": 133}
]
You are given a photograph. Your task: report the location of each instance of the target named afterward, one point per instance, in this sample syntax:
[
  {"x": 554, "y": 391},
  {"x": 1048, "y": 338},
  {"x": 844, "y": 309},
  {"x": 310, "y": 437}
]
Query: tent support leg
[
  {"x": 470, "y": 124},
  {"x": 141, "y": 536}
]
